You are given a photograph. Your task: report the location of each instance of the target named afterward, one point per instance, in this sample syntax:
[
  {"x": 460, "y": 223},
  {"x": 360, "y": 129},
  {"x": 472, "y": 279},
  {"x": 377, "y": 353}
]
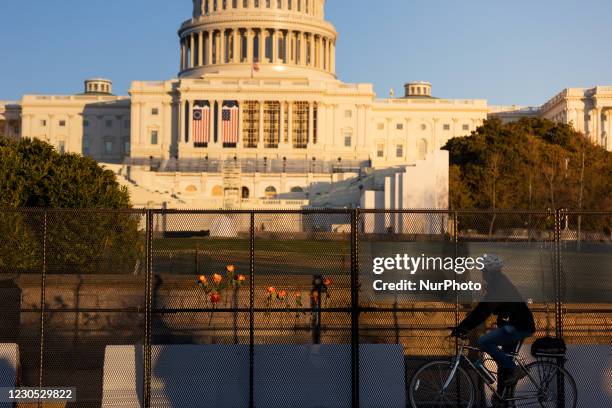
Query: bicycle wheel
[
  {"x": 554, "y": 387},
  {"x": 426, "y": 387}
]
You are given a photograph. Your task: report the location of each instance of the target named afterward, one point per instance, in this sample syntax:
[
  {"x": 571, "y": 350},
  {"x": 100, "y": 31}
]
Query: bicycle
[{"x": 447, "y": 383}]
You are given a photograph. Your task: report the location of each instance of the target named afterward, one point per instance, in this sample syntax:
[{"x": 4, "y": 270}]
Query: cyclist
[{"x": 514, "y": 322}]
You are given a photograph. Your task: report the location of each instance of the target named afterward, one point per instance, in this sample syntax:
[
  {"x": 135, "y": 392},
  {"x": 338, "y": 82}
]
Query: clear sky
[{"x": 509, "y": 52}]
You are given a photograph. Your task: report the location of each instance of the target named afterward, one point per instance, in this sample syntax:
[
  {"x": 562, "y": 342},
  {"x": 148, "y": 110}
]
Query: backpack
[{"x": 548, "y": 347}]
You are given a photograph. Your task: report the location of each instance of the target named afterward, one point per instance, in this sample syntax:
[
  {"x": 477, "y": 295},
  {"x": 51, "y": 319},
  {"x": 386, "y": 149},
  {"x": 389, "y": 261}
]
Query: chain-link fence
[{"x": 164, "y": 308}]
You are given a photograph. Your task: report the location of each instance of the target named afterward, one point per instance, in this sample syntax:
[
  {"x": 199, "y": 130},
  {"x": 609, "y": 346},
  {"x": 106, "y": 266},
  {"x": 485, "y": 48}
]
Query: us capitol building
[{"x": 257, "y": 118}]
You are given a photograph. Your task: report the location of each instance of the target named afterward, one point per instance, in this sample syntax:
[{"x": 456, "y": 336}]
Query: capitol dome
[{"x": 271, "y": 37}]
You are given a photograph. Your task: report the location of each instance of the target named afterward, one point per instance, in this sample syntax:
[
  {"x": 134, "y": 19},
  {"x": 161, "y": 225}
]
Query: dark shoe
[{"x": 515, "y": 376}]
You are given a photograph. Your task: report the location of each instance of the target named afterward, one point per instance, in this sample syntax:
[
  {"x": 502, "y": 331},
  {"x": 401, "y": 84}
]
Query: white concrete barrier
[
  {"x": 9, "y": 368},
  {"x": 591, "y": 368},
  {"x": 309, "y": 376}
]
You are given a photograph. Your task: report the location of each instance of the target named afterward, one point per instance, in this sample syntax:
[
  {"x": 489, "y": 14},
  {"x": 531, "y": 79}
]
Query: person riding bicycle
[{"x": 514, "y": 321}]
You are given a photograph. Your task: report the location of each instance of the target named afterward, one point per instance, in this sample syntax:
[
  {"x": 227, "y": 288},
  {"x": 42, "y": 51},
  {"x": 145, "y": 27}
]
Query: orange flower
[
  {"x": 241, "y": 278},
  {"x": 271, "y": 290},
  {"x": 203, "y": 280},
  {"x": 215, "y": 297},
  {"x": 298, "y": 294},
  {"x": 217, "y": 278},
  {"x": 282, "y": 295},
  {"x": 231, "y": 268},
  {"x": 327, "y": 282}
]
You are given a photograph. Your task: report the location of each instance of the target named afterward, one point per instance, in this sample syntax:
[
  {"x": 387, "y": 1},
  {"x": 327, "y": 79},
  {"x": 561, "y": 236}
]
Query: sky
[{"x": 508, "y": 52}]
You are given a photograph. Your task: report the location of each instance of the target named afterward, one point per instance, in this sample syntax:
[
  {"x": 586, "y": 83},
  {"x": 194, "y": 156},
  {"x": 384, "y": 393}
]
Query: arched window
[
  {"x": 245, "y": 193},
  {"x": 297, "y": 190},
  {"x": 270, "y": 192},
  {"x": 217, "y": 191},
  {"x": 422, "y": 149},
  {"x": 191, "y": 189}
]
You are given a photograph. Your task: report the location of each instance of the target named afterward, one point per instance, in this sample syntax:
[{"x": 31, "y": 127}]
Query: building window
[
  {"x": 286, "y": 124},
  {"x": 246, "y": 193},
  {"x": 85, "y": 123},
  {"x": 399, "y": 126},
  {"x": 399, "y": 151},
  {"x": 108, "y": 123},
  {"x": 348, "y": 139},
  {"x": 268, "y": 4},
  {"x": 348, "y": 113},
  {"x": 271, "y": 125},
  {"x": 62, "y": 123},
  {"x": 300, "y": 125},
  {"x": 154, "y": 136},
  {"x": 297, "y": 190},
  {"x": 43, "y": 123},
  {"x": 108, "y": 147},
  {"x": 279, "y": 4},
  {"x": 61, "y": 147},
  {"x": 85, "y": 144},
  {"x": 155, "y": 111},
  {"x": 466, "y": 127},
  {"x": 423, "y": 127},
  {"x": 422, "y": 149},
  {"x": 381, "y": 126},
  {"x": 270, "y": 192},
  {"x": 380, "y": 150},
  {"x": 446, "y": 126},
  {"x": 234, "y": 3},
  {"x": 250, "y": 124}
]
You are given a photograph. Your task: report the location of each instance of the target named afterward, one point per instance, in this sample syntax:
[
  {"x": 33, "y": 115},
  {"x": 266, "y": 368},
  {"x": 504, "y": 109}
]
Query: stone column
[
  {"x": 210, "y": 48},
  {"x": 260, "y": 138},
  {"x": 222, "y": 47},
  {"x": 310, "y": 122},
  {"x": 166, "y": 129},
  {"x": 236, "y": 44},
  {"x": 262, "y": 43},
  {"x": 211, "y": 124},
  {"x": 322, "y": 124},
  {"x": 290, "y": 124},
  {"x": 274, "y": 46},
  {"x": 302, "y": 48},
  {"x": 190, "y": 123},
  {"x": 191, "y": 50},
  {"x": 182, "y": 62},
  {"x": 239, "y": 142},
  {"x": 181, "y": 126},
  {"x": 312, "y": 50},
  {"x": 289, "y": 47},
  {"x": 249, "y": 39},
  {"x": 333, "y": 58},
  {"x": 201, "y": 48},
  {"x": 219, "y": 123},
  {"x": 281, "y": 128}
]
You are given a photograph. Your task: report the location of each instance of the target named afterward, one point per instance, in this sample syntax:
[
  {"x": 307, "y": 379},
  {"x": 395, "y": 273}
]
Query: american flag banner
[
  {"x": 230, "y": 124},
  {"x": 201, "y": 125}
]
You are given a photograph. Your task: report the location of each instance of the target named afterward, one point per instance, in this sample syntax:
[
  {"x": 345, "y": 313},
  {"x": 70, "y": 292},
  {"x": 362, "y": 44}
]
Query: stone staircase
[{"x": 232, "y": 183}]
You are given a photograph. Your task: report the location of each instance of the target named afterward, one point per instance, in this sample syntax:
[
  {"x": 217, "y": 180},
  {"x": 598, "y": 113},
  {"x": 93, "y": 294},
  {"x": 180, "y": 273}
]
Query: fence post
[
  {"x": 558, "y": 276},
  {"x": 43, "y": 279},
  {"x": 354, "y": 309},
  {"x": 148, "y": 310},
  {"x": 252, "y": 311}
]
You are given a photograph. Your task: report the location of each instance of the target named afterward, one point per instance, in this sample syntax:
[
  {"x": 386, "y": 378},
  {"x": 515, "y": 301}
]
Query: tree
[
  {"x": 34, "y": 176},
  {"x": 527, "y": 165}
]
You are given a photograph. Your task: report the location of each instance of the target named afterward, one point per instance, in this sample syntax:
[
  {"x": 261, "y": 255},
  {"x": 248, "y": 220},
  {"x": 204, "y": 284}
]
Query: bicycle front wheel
[
  {"x": 426, "y": 388},
  {"x": 547, "y": 386}
]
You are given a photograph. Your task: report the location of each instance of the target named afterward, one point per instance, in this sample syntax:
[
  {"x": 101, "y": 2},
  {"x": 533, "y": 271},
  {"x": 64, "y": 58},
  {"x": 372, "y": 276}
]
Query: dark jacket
[{"x": 515, "y": 314}]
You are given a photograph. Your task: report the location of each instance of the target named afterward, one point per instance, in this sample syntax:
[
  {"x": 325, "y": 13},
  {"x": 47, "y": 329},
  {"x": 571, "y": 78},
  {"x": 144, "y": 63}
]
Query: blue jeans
[{"x": 499, "y": 342}]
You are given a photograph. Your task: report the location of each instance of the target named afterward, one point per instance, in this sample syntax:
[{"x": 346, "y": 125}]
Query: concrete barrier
[
  {"x": 9, "y": 368},
  {"x": 308, "y": 376}
]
